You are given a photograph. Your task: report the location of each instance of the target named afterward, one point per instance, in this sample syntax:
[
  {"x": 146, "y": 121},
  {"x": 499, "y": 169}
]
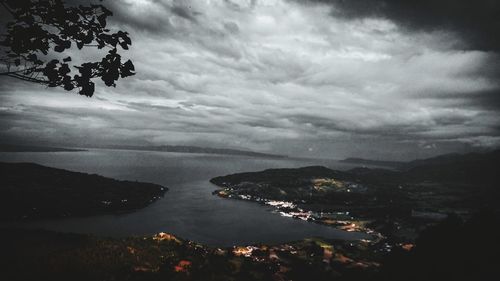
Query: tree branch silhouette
[{"x": 40, "y": 29}]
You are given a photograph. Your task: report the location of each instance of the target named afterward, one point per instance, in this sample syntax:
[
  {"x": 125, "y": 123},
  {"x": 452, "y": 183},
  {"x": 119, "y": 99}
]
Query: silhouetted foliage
[{"x": 41, "y": 28}]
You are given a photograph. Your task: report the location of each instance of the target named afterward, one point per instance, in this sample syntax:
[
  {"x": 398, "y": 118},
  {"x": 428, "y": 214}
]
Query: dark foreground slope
[
  {"x": 30, "y": 191},
  {"x": 450, "y": 250},
  {"x": 45, "y": 255}
]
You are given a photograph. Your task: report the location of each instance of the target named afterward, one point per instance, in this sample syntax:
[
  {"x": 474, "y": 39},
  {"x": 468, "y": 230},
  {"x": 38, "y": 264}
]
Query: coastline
[
  {"x": 31, "y": 191},
  {"x": 339, "y": 220}
]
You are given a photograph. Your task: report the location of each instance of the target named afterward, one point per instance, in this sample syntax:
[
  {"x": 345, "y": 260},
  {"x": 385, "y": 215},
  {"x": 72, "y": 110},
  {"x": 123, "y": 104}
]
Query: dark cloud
[
  {"x": 488, "y": 100},
  {"x": 231, "y": 27},
  {"x": 288, "y": 78},
  {"x": 245, "y": 5},
  {"x": 154, "y": 16},
  {"x": 477, "y": 21},
  {"x": 183, "y": 12}
]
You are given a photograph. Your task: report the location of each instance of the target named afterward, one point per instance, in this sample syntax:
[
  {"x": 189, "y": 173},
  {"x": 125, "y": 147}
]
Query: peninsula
[
  {"x": 32, "y": 191},
  {"x": 395, "y": 204}
]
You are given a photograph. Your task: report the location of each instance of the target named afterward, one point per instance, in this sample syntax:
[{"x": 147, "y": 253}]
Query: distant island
[
  {"x": 33, "y": 148},
  {"x": 31, "y": 191},
  {"x": 197, "y": 149}
]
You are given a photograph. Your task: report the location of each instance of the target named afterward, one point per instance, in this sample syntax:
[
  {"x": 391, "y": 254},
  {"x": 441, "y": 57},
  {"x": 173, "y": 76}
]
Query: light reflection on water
[{"x": 188, "y": 209}]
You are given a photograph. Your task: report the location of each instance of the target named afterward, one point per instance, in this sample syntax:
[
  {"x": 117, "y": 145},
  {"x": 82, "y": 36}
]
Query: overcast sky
[{"x": 332, "y": 79}]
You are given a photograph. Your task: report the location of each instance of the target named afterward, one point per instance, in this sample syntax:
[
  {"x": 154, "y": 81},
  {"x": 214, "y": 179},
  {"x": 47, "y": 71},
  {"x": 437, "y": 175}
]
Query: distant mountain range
[
  {"x": 33, "y": 148},
  {"x": 197, "y": 149},
  {"x": 445, "y": 159},
  {"x": 165, "y": 148},
  {"x": 370, "y": 162},
  {"x": 467, "y": 167}
]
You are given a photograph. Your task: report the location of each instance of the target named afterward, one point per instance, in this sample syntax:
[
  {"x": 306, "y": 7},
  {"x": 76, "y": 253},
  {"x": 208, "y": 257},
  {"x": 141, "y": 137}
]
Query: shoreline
[
  {"x": 33, "y": 192},
  {"x": 292, "y": 210}
]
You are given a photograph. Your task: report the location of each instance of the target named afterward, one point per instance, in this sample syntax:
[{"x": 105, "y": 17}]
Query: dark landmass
[
  {"x": 395, "y": 203},
  {"x": 31, "y": 148},
  {"x": 449, "y": 250},
  {"x": 30, "y": 191},
  {"x": 45, "y": 255},
  {"x": 452, "y": 249},
  {"x": 196, "y": 149},
  {"x": 362, "y": 161},
  {"x": 477, "y": 168},
  {"x": 453, "y": 161},
  {"x": 426, "y": 216}
]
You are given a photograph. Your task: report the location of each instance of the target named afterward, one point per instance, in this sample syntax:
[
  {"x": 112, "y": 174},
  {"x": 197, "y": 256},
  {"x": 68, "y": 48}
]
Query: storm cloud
[
  {"x": 303, "y": 78},
  {"x": 475, "y": 21}
]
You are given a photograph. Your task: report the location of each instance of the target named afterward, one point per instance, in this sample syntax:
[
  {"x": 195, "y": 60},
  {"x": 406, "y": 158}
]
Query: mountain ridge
[{"x": 198, "y": 149}]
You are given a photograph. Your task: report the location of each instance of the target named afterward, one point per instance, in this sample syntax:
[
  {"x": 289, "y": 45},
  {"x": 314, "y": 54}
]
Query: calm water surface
[{"x": 188, "y": 209}]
